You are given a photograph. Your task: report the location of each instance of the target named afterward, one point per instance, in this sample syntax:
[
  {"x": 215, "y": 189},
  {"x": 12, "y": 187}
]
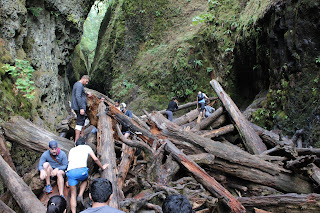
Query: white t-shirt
[{"x": 78, "y": 157}]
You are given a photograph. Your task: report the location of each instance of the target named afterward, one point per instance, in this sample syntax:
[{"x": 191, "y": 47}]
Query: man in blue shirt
[{"x": 52, "y": 163}]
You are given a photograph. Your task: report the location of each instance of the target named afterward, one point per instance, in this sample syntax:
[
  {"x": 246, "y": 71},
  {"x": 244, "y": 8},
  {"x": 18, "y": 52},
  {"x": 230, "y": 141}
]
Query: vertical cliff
[{"x": 44, "y": 33}]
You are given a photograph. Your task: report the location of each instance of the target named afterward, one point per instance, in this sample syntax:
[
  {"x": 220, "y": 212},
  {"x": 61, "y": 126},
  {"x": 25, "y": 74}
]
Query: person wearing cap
[
  {"x": 79, "y": 104},
  {"x": 125, "y": 128},
  {"x": 52, "y": 164},
  {"x": 78, "y": 171}
]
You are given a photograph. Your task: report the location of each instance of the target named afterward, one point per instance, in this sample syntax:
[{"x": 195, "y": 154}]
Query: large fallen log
[
  {"x": 105, "y": 149},
  {"x": 293, "y": 203},
  {"x": 26, "y": 134},
  {"x": 217, "y": 132},
  {"x": 207, "y": 121},
  {"x": 4, "y": 208},
  {"x": 234, "y": 161},
  {"x": 20, "y": 190},
  {"x": 207, "y": 181},
  {"x": 250, "y": 138},
  {"x": 187, "y": 118}
]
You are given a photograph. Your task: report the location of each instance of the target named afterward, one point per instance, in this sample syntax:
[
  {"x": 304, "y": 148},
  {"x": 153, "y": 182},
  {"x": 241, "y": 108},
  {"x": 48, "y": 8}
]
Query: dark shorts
[
  {"x": 202, "y": 106},
  {"x": 80, "y": 118}
]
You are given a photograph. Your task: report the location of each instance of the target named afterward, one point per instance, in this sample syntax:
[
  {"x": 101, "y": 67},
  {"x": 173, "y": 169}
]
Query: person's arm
[
  {"x": 78, "y": 92},
  {"x": 42, "y": 160},
  {"x": 97, "y": 161}
]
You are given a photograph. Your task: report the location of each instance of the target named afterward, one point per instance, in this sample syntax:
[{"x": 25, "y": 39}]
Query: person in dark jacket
[
  {"x": 79, "y": 104},
  {"x": 53, "y": 163},
  {"x": 172, "y": 106}
]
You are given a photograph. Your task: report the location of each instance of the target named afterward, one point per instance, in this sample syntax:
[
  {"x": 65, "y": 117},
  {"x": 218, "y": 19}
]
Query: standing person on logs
[
  {"x": 78, "y": 170},
  {"x": 125, "y": 128},
  {"x": 201, "y": 99},
  {"x": 79, "y": 104},
  {"x": 52, "y": 164},
  {"x": 172, "y": 106}
]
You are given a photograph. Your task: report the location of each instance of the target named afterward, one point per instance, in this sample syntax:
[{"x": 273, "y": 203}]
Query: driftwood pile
[{"x": 222, "y": 163}]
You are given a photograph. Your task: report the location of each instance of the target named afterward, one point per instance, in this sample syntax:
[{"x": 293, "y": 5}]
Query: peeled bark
[
  {"x": 20, "y": 190},
  {"x": 26, "y": 134},
  {"x": 250, "y": 138},
  {"x": 105, "y": 149},
  {"x": 124, "y": 166}
]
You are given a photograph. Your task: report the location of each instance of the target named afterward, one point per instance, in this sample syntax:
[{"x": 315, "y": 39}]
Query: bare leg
[
  {"x": 82, "y": 188},
  {"x": 82, "y": 132},
  {"x": 76, "y": 135},
  {"x": 73, "y": 201},
  {"x": 60, "y": 181},
  {"x": 47, "y": 167}
]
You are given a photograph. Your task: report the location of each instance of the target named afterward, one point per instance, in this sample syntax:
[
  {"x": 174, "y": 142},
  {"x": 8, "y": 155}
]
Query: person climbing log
[{"x": 172, "y": 106}]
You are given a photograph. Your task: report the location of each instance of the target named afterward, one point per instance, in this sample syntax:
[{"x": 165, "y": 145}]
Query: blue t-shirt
[{"x": 203, "y": 100}]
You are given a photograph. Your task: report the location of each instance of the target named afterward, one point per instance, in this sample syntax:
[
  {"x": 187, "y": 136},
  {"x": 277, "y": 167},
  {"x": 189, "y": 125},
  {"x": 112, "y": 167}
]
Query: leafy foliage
[
  {"x": 318, "y": 60},
  {"x": 22, "y": 74},
  {"x": 35, "y": 11}
]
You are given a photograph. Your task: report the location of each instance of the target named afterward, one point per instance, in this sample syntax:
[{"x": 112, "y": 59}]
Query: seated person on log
[
  {"x": 208, "y": 110},
  {"x": 57, "y": 204},
  {"x": 78, "y": 170},
  {"x": 125, "y": 128},
  {"x": 53, "y": 163},
  {"x": 79, "y": 104},
  {"x": 117, "y": 104},
  {"x": 172, "y": 106},
  {"x": 99, "y": 192},
  {"x": 201, "y": 99},
  {"x": 176, "y": 204}
]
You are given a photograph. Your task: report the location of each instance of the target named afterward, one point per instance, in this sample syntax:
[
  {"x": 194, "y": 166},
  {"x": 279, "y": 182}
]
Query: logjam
[
  {"x": 20, "y": 190},
  {"x": 105, "y": 149},
  {"x": 251, "y": 140}
]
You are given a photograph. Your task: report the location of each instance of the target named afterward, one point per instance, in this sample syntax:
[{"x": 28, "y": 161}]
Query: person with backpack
[
  {"x": 53, "y": 163},
  {"x": 201, "y": 99},
  {"x": 172, "y": 106}
]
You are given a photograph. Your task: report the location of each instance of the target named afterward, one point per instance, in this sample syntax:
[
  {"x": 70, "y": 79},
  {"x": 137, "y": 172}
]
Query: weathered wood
[
  {"x": 235, "y": 161},
  {"x": 99, "y": 95},
  {"x": 4, "y": 152},
  {"x": 4, "y": 208},
  {"x": 105, "y": 149},
  {"x": 314, "y": 172},
  {"x": 124, "y": 166},
  {"x": 218, "y": 132},
  {"x": 207, "y": 121},
  {"x": 187, "y": 118},
  {"x": 207, "y": 181},
  {"x": 20, "y": 190},
  {"x": 300, "y": 162},
  {"x": 250, "y": 138},
  {"x": 308, "y": 151},
  {"x": 203, "y": 158},
  {"x": 26, "y": 134},
  {"x": 293, "y": 203}
]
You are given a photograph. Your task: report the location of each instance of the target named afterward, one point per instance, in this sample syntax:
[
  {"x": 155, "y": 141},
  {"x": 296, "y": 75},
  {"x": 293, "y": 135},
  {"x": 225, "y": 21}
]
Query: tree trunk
[
  {"x": 293, "y": 203},
  {"x": 124, "y": 166},
  {"x": 235, "y": 161},
  {"x": 26, "y": 134},
  {"x": 105, "y": 149},
  {"x": 250, "y": 138},
  {"x": 187, "y": 118},
  {"x": 4, "y": 208},
  {"x": 20, "y": 190},
  {"x": 218, "y": 132},
  {"x": 207, "y": 121},
  {"x": 208, "y": 182}
]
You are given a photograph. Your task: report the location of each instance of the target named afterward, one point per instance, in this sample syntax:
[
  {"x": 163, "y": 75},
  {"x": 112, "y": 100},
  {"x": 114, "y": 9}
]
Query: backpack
[{"x": 200, "y": 96}]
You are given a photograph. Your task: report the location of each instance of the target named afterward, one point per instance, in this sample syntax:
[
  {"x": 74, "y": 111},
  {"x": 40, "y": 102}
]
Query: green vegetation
[
  {"x": 22, "y": 74},
  {"x": 35, "y": 11},
  {"x": 318, "y": 60}
]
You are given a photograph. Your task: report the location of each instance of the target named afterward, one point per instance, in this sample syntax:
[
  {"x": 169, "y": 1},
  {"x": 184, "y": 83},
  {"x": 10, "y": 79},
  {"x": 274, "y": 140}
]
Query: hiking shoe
[
  {"x": 48, "y": 189},
  {"x": 80, "y": 200}
]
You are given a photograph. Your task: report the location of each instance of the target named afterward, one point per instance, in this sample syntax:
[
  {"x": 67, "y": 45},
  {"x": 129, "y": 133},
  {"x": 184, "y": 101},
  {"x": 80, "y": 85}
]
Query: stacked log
[{"x": 259, "y": 171}]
